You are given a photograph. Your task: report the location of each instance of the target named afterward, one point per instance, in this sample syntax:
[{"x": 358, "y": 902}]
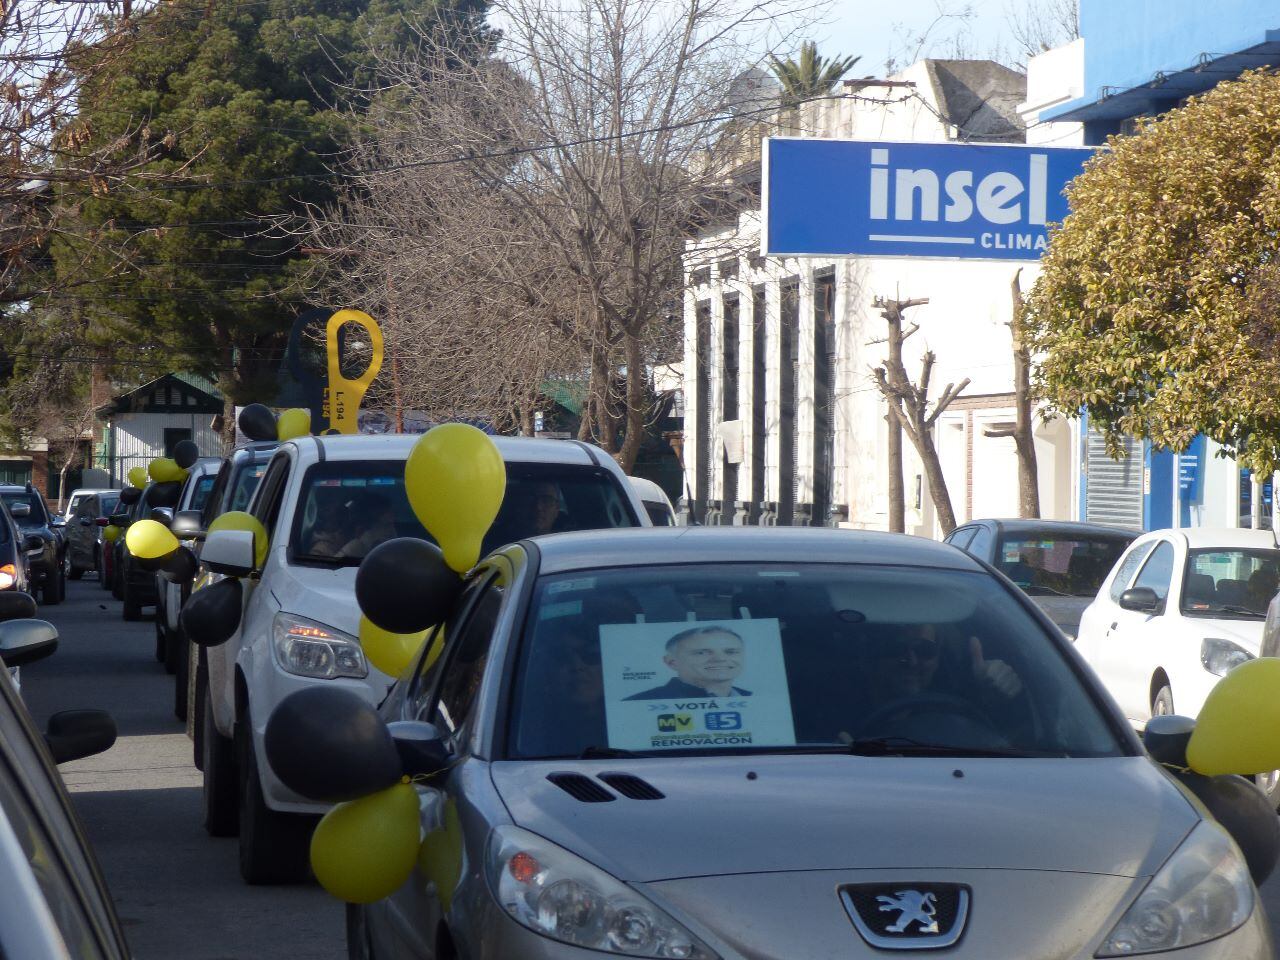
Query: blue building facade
[{"x": 1143, "y": 58}]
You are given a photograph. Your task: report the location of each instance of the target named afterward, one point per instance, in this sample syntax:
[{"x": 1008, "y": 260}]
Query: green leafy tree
[
  {"x": 1152, "y": 311},
  {"x": 810, "y": 75},
  {"x": 177, "y": 265}
]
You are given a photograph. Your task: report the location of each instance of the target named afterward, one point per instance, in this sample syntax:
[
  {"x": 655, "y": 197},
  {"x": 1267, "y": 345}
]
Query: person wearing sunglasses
[{"x": 907, "y": 658}]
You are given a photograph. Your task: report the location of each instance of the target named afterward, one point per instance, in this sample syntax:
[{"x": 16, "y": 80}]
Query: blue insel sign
[{"x": 863, "y": 198}]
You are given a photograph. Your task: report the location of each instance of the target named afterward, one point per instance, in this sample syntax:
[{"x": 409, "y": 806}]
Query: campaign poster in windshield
[{"x": 710, "y": 683}]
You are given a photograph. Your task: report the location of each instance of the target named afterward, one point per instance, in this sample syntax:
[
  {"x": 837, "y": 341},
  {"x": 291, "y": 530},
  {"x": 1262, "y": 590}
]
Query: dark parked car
[
  {"x": 54, "y": 903},
  {"x": 1059, "y": 564},
  {"x": 45, "y": 560},
  {"x": 13, "y": 557},
  {"x": 84, "y": 533},
  {"x": 137, "y": 587}
]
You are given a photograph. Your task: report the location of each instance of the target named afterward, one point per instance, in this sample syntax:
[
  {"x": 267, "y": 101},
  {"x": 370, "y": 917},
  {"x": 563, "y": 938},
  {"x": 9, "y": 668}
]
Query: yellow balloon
[
  {"x": 110, "y": 532},
  {"x": 295, "y": 422},
  {"x": 239, "y": 520},
  {"x": 455, "y": 480},
  {"x": 138, "y": 477},
  {"x": 389, "y": 652},
  {"x": 1238, "y": 730},
  {"x": 149, "y": 540},
  {"x": 365, "y": 849},
  {"x": 440, "y": 858},
  {"x": 164, "y": 470}
]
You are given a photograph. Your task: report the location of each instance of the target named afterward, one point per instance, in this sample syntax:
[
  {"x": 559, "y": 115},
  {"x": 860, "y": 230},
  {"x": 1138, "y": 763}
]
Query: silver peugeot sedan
[{"x": 774, "y": 744}]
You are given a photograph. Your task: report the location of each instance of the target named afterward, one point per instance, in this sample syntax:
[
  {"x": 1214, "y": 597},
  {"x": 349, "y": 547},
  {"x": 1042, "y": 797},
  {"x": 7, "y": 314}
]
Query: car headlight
[
  {"x": 309, "y": 649},
  {"x": 1220, "y": 657},
  {"x": 8, "y": 576},
  {"x": 561, "y": 896},
  {"x": 1201, "y": 893}
]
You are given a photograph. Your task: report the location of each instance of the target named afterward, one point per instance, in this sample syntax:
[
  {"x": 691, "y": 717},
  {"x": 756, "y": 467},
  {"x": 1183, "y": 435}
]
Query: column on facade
[
  {"x": 689, "y": 455},
  {"x": 845, "y": 380},
  {"x": 740, "y": 287},
  {"x": 772, "y": 438},
  {"x": 805, "y": 407},
  {"x": 715, "y": 395}
]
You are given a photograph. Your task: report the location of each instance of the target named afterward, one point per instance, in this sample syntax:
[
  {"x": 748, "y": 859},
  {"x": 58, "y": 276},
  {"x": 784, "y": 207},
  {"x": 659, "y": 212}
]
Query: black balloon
[
  {"x": 180, "y": 566},
  {"x": 153, "y": 563},
  {"x": 165, "y": 494},
  {"x": 129, "y": 496},
  {"x": 404, "y": 585},
  {"x": 329, "y": 744},
  {"x": 212, "y": 615},
  {"x": 1244, "y": 812},
  {"x": 186, "y": 453},
  {"x": 257, "y": 422}
]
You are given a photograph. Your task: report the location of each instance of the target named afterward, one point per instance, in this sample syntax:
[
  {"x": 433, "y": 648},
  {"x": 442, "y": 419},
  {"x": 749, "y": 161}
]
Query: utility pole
[{"x": 891, "y": 310}]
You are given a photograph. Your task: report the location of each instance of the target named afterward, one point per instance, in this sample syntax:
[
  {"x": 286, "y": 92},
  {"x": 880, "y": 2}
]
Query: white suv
[{"x": 325, "y": 502}]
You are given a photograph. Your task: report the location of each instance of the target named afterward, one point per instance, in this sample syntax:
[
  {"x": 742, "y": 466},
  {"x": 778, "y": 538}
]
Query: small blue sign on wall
[{"x": 865, "y": 198}]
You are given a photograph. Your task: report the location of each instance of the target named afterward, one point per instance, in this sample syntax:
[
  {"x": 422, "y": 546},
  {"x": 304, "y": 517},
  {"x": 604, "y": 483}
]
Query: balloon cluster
[
  {"x": 149, "y": 541},
  {"x": 257, "y": 422},
  {"x": 328, "y": 744},
  {"x": 1238, "y": 733}
]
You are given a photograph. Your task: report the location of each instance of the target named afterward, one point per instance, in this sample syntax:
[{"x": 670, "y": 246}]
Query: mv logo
[{"x": 675, "y": 722}]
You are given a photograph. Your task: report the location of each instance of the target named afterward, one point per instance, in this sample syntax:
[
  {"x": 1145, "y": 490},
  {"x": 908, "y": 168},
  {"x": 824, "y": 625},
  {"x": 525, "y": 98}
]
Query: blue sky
[{"x": 879, "y": 30}]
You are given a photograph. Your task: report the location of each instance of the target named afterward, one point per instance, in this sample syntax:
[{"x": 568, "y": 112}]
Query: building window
[
  {"x": 701, "y": 277},
  {"x": 824, "y": 396},
  {"x": 789, "y": 361},
  {"x": 702, "y": 459},
  {"x": 174, "y": 436}
]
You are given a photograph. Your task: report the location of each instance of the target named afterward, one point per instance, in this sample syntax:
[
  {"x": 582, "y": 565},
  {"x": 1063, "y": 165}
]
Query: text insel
[{"x": 918, "y": 195}]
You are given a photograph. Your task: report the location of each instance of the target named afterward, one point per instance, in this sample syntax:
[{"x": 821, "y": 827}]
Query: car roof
[
  {"x": 1198, "y": 538},
  {"x": 593, "y": 549},
  {"x": 1064, "y": 527},
  {"x": 86, "y": 491},
  {"x": 649, "y": 491},
  {"x": 396, "y": 446}
]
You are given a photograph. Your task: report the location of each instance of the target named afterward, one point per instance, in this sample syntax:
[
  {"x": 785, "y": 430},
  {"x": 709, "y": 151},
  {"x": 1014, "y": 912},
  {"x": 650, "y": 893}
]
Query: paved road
[{"x": 177, "y": 890}]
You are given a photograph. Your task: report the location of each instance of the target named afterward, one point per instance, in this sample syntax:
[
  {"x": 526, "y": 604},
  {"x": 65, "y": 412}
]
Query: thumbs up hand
[{"x": 994, "y": 673}]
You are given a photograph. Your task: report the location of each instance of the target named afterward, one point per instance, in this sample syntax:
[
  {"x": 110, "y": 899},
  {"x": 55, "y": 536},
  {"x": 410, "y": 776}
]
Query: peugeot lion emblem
[{"x": 907, "y": 916}]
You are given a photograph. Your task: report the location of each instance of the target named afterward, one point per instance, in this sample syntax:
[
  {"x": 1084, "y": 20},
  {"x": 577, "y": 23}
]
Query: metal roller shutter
[{"x": 1114, "y": 491}]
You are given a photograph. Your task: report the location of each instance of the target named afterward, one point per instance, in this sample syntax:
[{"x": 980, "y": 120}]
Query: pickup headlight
[
  {"x": 309, "y": 649},
  {"x": 1201, "y": 893},
  {"x": 561, "y": 896},
  {"x": 1220, "y": 657}
]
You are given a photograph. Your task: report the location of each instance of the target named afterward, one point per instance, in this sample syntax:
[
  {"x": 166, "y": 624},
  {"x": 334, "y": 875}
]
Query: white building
[
  {"x": 150, "y": 420},
  {"x": 783, "y": 421}
]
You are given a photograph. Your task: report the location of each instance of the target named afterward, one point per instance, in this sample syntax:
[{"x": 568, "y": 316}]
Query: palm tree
[{"x": 809, "y": 76}]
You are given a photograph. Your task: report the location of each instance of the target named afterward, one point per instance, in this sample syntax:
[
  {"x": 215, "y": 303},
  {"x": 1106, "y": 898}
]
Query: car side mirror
[
  {"x": 20, "y": 510},
  {"x": 1166, "y": 738},
  {"x": 73, "y": 734},
  {"x": 1140, "y": 600},
  {"x": 118, "y": 520},
  {"x": 15, "y": 605},
  {"x": 421, "y": 746},
  {"x": 57, "y": 521},
  {"x": 162, "y": 515},
  {"x": 26, "y": 641},
  {"x": 229, "y": 552},
  {"x": 186, "y": 525},
  {"x": 33, "y": 541}
]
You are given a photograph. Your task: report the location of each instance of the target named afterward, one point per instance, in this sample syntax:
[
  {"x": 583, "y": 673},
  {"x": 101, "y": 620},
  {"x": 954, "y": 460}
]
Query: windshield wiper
[
  {"x": 1232, "y": 608},
  {"x": 606, "y": 753},
  {"x": 908, "y": 747}
]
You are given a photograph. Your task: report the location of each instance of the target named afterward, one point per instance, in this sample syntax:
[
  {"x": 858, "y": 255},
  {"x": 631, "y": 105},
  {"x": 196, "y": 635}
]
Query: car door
[
  {"x": 1131, "y": 644},
  {"x": 221, "y": 660},
  {"x": 81, "y": 528},
  {"x": 443, "y": 693},
  {"x": 51, "y": 890}
]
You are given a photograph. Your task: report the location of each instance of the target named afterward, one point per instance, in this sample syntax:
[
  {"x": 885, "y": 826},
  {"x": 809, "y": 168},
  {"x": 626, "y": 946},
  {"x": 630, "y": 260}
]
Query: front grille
[
  {"x": 581, "y": 788},
  {"x": 903, "y": 915}
]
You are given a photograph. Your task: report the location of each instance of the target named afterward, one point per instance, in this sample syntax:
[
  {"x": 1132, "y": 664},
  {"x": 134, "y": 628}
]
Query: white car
[
  {"x": 1176, "y": 613},
  {"x": 656, "y": 502},
  {"x": 325, "y": 502}
]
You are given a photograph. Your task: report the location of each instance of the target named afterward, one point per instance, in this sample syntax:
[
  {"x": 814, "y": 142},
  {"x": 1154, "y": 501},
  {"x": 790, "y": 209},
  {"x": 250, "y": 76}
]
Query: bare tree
[
  {"x": 1039, "y": 25},
  {"x": 1021, "y": 431},
  {"x": 533, "y": 203},
  {"x": 909, "y": 404}
]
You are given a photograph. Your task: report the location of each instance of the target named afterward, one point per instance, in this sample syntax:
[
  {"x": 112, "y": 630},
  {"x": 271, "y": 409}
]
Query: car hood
[
  {"x": 1247, "y": 633},
  {"x": 318, "y": 593},
  {"x": 1117, "y": 816},
  {"x": 1064, "y": 611}
]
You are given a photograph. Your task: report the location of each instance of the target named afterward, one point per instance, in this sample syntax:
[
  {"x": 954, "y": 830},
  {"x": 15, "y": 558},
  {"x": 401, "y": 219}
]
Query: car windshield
[
  {"x": 1231, "y": 583},
  {"x": 107, "y": 506},
  {"x": 244, "y": 483},
  {"x": 33, "y": 520},
  {"x": 1054, "y": 565},
  {"x": 201, "y": 493},
  {"x": 827, "y": 658},
  {"x": 347, "y": 507}
]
